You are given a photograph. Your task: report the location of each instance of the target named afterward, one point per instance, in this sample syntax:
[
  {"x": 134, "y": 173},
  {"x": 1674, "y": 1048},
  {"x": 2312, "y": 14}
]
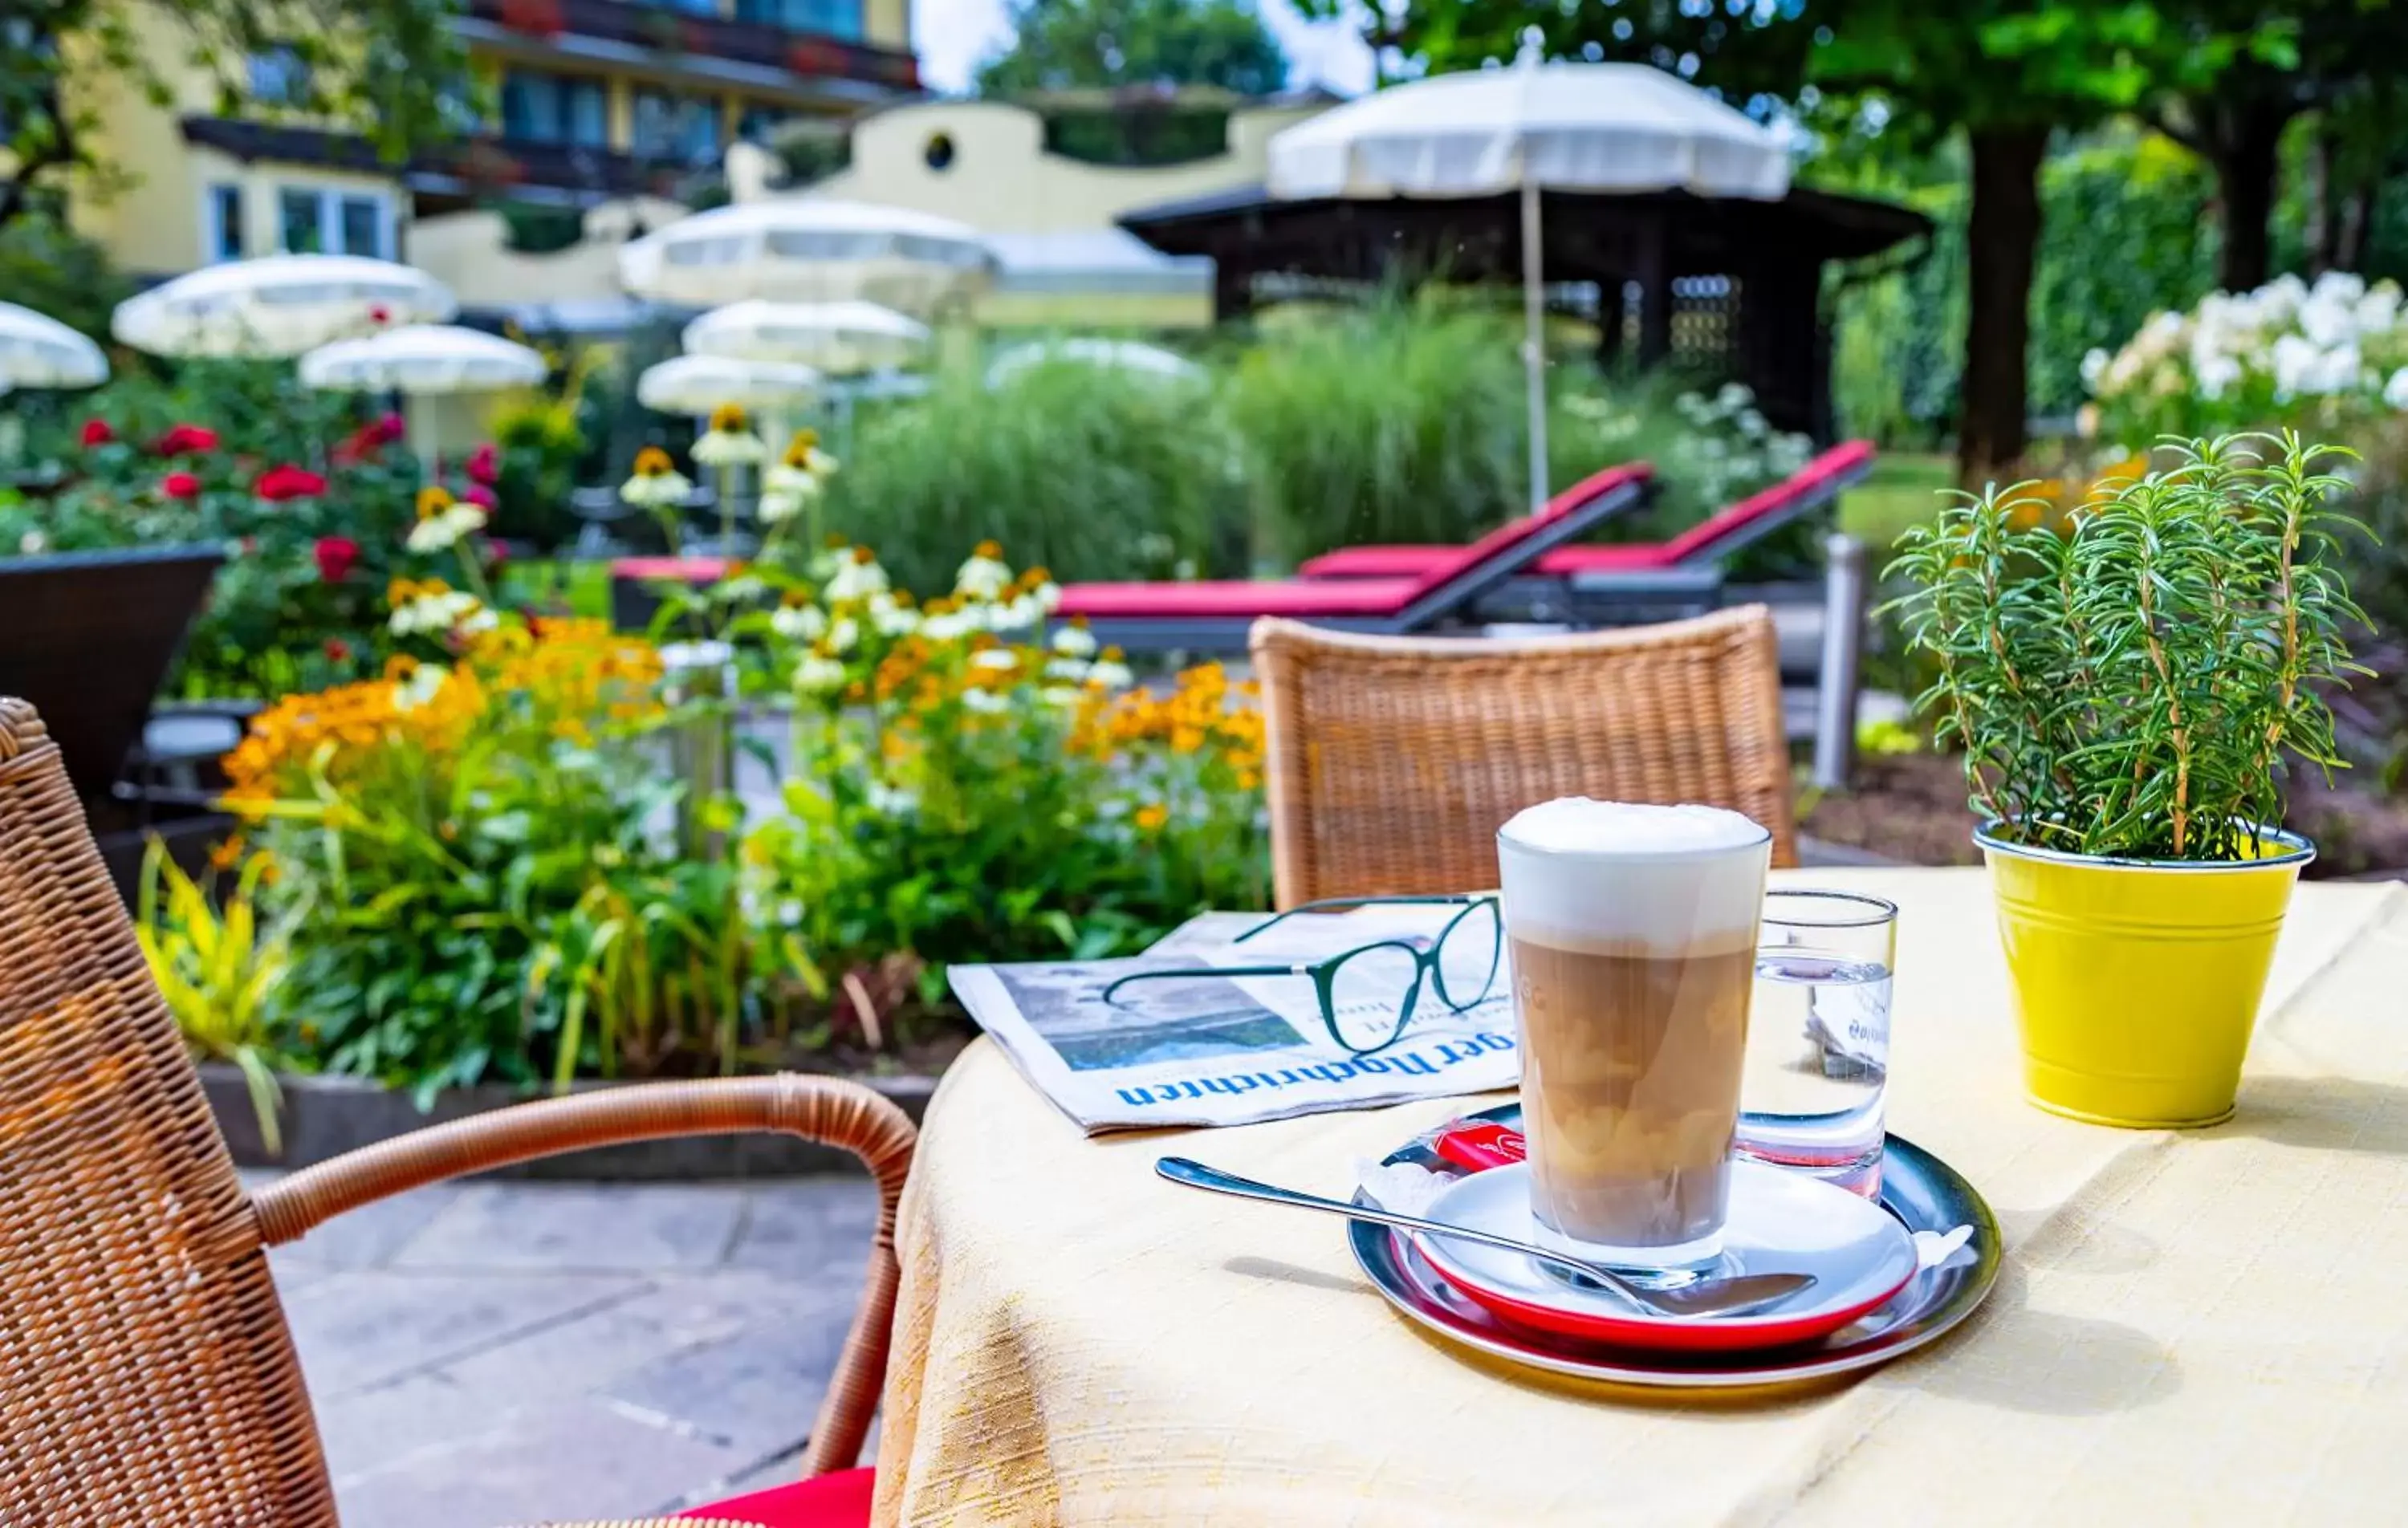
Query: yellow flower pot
[{"x": 2136, "y": 981}]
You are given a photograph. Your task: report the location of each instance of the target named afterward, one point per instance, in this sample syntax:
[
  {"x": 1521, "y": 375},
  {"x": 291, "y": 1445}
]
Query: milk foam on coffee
[
  {"x": 1661, "y": 880},
  {"x": 1632, "y": 931}
]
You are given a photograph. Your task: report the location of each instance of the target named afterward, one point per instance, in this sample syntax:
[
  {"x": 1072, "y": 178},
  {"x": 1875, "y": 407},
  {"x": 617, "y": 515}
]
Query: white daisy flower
[
  {"x": 657, "y": 483},
  {"x": 855, "y": 578},
  {"x": 799, "y": 622},
  {"x": 730, "y": 449},
  {"x": 842, "y": 633},
  {"x": 420, "y": 687},
  {"x": 986, "y": 702},
  {"x": 984, "y": 575},
  {"x": 818, "y": 674},
  {"x": 1000, "y": 660},
  {"x": 1074, "y": 642},
  {"x": 1111, "y": 676}
]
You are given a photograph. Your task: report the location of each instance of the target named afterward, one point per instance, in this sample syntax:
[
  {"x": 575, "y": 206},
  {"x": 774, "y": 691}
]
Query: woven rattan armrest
[{"x": 827, "y": 1109}]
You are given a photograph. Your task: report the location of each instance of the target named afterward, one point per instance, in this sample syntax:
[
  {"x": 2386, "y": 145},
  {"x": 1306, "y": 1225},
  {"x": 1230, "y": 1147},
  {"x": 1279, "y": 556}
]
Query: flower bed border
[{"x": 326, "y": 1116}]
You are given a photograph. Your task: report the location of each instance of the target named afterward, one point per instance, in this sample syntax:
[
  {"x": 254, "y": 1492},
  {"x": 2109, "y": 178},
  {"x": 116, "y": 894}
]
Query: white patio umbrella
[
  {"x": 696, "y": 384},
  {"x": 838, "y": 339},
  {"x": 1117, "y": 354},
  {"x": 37, "y": 350},
  {"x": 423, "y": 360},
  {"x": 277, "y": 305},
  {"x": 807, "y": 248},
  {"x": 1537, "y": 126}
]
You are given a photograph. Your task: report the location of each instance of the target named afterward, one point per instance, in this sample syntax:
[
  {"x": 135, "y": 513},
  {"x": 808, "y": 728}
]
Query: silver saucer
[{"x": 1923, "y": 1192}]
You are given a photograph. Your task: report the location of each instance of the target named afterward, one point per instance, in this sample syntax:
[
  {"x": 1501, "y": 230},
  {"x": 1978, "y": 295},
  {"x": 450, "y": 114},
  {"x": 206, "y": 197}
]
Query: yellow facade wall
[{"x": 1002, "y": 179}]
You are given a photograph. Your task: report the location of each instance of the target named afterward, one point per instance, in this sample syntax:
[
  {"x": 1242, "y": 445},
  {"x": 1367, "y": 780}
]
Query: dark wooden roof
[{"x": 1588, "y": 237}]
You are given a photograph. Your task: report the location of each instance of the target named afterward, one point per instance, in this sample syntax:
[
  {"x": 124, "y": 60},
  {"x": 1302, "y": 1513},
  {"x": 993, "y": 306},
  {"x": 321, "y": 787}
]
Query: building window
[
  {"x": 685, "y": 128},
  {"x": 360, "y": 219},
  {"x": 833, "y": 17},
  {"x": 301, "y": 215},
  {"x": 222, "y": 222},
  {"x": 315, "y": 221},
  {"x": 280, "y": 76},
  {"x": 555, "y": 109}
]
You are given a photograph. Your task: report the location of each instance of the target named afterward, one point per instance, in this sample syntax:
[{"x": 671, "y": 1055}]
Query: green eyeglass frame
[{"x": 1323, "y": 973}]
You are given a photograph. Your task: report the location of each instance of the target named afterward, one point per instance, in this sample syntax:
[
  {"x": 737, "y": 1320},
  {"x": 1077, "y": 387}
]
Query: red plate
[{"x": 1778, "y": 1223}]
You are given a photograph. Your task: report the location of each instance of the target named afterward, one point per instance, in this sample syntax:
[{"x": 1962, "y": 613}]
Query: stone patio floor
[{"x": 485, "y": 1355}]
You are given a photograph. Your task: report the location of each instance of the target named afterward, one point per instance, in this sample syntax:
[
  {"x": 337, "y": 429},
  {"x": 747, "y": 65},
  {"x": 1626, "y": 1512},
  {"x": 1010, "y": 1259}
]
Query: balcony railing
[
  {"x": 487, "y": 165},
  {"x": 664, "y": 29}
]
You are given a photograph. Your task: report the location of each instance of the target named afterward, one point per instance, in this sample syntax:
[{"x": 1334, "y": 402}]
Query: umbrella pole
[{"x": 1534, "y": 350}]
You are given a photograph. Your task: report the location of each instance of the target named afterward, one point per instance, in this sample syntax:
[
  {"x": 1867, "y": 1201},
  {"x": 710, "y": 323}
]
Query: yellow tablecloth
[{"x": 2191, "y": 1327}]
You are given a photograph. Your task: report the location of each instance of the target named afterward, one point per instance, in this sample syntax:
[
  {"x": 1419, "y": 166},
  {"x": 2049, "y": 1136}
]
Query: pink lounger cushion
[
  {"x": 1698, "y": 543},
  {"x": 670, "y": 569},
  {"x": 1239, "y": 598},
  {"x": 1242, "y": 599}
]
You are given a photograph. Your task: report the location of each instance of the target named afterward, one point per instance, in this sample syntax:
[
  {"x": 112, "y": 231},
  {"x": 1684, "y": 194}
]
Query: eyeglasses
[{"x": 1367, "y": 994}]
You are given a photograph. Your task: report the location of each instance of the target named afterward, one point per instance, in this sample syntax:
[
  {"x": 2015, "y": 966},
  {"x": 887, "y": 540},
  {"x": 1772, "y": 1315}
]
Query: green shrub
[{"x": 1093, "y": 472}]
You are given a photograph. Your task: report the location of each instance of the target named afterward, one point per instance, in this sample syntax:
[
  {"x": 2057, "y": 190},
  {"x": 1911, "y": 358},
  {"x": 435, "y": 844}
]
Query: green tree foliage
[
  {"x": 1073, "y": 43},
  {"x": 386, "y": 68}
]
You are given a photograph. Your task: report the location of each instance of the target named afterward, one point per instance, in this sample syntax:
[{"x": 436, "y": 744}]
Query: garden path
[{"x": 498, "y": 1353}]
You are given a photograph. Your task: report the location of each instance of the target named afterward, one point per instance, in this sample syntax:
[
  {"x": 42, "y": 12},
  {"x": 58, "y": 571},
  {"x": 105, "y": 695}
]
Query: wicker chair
[
  {"x": 1392, "y": 760},
  {"x": 146, "y": 1373}
]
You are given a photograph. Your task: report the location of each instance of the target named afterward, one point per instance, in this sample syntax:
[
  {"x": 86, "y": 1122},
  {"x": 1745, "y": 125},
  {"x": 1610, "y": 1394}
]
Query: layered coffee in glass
[{"x": 1632, "y": 935}]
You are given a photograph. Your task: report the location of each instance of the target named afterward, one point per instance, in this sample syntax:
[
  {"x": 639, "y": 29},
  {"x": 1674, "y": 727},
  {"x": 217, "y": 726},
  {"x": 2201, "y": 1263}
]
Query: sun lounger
[
  {"x": 1613, "y": 571},
  {"x": 1215, "y": 616}
]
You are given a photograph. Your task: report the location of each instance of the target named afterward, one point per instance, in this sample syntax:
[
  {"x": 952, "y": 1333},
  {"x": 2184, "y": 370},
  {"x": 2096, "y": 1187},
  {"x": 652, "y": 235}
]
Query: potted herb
[{"x": 2130, "y": 691}]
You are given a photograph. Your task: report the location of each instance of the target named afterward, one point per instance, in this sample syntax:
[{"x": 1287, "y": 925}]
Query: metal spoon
[{"x": 1703, "y": 1297}]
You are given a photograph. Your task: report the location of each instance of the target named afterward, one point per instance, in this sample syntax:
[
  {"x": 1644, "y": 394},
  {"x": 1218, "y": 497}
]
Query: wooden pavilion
[{"x": 1727, "y": 287}]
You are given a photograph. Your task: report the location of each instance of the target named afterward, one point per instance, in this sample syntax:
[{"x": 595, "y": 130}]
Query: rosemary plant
[{"x": 2138, "y": 685}]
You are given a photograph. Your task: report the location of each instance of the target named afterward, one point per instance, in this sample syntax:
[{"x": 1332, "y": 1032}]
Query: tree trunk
[
  {"x": 2245, "y": 160},
  {"x": 2324, "y": 203},
  {"x": 2357, "y": 226},
  {"x": 2002, "y": 240}
]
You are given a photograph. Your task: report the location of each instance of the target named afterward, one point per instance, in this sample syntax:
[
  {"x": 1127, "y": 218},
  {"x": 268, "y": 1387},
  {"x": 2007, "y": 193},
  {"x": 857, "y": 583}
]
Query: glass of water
[{"x": 1818, "y": 1036}]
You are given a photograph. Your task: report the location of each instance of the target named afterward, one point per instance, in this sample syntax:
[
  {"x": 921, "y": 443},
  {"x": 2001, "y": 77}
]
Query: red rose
[
  {"x": 181, "y": 485},
  {"x": 278, "y": 484},
  {"x": 186, "y": 439},
  {"x": 337, "y": 556},
  {"x": 337, "y": 649},
  {"x": 483, "y": 468},
  {"x": 479, "y": 495},
  {"x": 97, "y": 433},
  {"x": 378, "y": 314},
  {"x": 365, "y": 443}
]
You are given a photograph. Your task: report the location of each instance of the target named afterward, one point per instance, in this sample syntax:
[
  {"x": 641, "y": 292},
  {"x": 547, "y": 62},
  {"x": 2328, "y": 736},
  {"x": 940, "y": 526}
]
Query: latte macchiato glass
[{"x": 1632, "y": 936}]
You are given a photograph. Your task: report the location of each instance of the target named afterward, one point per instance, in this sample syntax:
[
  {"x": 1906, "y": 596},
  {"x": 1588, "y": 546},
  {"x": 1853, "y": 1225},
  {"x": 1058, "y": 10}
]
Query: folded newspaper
[{"x": 1231, "y": 1050}]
